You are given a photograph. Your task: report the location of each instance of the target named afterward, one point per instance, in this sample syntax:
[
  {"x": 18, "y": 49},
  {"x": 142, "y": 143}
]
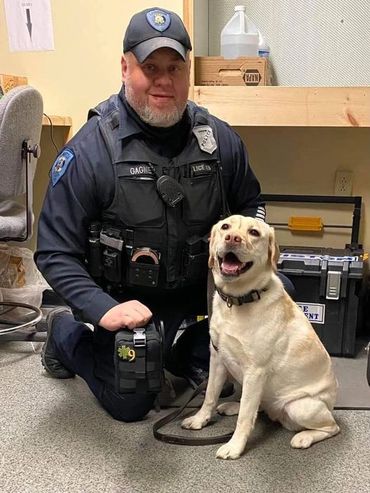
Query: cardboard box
[
  {"x": 8, "y": 82},
  {"x": 243, "y": 71}
]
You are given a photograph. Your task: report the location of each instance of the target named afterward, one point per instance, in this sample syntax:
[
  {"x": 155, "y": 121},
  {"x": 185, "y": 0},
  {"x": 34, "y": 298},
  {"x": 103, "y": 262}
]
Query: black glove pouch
[{"x": 138, "y": 360}]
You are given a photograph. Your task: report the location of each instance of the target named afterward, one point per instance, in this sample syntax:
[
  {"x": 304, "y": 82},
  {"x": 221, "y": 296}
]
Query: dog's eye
[
  {"x": 225, "y": 226},
  {"x": 254, "y": 232}
]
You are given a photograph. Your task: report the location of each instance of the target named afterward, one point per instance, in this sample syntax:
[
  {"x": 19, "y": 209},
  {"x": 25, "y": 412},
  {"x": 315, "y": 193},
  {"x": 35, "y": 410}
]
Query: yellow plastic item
[{"x": 296, "y": 223}]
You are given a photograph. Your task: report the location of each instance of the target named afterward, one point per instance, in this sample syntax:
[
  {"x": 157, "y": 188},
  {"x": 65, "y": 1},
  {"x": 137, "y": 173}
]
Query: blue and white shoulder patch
[{"x": 60, "y": 165}]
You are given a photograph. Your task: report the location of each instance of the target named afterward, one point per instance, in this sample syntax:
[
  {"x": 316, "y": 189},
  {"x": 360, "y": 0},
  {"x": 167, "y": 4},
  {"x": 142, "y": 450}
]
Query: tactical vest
[{"x": 155, "y": 232}]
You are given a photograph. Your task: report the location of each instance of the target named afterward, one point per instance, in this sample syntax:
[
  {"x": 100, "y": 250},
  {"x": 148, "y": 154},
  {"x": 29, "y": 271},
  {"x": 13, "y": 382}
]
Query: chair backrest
[{"x": 21, "y": 111}]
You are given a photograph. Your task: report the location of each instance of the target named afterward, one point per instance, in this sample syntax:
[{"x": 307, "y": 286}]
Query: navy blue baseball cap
[{"x": 155, "y": 28}]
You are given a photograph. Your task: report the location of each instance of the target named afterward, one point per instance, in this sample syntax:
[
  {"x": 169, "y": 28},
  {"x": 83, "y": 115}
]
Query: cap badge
[{"x": 158, "y": 19}]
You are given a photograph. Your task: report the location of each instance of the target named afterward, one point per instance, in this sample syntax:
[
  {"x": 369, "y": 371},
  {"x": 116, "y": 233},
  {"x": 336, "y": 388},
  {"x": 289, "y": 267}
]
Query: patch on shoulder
[{"x": 60, "y": 165}]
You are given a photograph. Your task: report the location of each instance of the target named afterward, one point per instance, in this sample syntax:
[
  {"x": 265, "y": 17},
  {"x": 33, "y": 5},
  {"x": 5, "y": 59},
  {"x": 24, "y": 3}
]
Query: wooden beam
[{"x": 287, "y": 106}]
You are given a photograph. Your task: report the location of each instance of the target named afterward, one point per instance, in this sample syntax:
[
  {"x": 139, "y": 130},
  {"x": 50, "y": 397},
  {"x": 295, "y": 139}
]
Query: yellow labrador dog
[{"x": 262, "y": 338}]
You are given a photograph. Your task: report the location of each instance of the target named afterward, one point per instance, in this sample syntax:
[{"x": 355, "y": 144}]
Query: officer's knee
[
  {"x": 128, "y": 407},
  {"x": 128, "y": 416}
]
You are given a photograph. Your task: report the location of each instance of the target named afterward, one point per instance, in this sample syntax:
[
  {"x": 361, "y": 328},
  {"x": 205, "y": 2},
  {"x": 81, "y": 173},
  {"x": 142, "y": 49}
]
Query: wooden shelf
[
  {"x": 287, "y": 106},
  {"x": 57, "y": 121}
]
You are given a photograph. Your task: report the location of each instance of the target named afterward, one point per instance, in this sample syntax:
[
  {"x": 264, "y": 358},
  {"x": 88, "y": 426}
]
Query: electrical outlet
[{"x": 343, "y": 183}]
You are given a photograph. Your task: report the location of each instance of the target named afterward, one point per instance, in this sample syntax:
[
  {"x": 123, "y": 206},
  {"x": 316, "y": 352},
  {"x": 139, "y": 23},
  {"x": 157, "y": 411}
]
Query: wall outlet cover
[{"x": 343, "y": 183}]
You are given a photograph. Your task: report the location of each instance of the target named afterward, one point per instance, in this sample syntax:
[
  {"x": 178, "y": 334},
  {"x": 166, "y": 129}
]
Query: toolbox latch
[{"x": 333, "y": 285}]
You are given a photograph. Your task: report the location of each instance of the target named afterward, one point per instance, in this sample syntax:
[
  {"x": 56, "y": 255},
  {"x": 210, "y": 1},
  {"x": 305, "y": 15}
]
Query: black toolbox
[{"x": 327, "y": 280}]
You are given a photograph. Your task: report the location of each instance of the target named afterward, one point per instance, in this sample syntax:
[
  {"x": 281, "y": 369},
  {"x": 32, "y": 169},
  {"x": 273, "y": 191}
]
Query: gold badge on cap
[{"x": 158, "y": 19}]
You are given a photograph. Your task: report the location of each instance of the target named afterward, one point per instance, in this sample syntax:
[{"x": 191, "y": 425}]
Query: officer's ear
[
  {"x": 123, "y": 67},
  {"x": 188, "y": 63}
]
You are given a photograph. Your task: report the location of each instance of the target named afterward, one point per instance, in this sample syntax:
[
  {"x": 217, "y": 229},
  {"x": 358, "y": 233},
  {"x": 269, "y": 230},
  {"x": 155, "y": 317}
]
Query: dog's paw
[
  {"x": 195, "y": 422},
  {"x": 231, "y": 450},
  {"x": 228, "y": 408},
  {"x": 302, "y": 439}
]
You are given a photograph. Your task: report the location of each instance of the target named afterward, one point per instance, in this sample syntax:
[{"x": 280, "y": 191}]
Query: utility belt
[
  {"x": 114, "y": 258},
  {"x": 138, "y": 360}
]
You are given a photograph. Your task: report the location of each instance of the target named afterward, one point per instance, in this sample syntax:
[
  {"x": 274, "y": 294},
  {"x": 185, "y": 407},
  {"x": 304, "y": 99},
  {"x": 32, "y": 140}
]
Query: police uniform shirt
[{"x": 82, "y": 186}]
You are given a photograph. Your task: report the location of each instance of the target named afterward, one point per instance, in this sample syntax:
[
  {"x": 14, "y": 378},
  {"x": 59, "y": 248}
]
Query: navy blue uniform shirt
[{"x": 85, "y": 187}]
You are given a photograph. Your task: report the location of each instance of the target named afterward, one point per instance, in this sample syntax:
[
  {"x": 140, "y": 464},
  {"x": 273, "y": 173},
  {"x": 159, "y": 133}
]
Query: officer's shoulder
[
  {"x": 105, "y": 108},
  {"x": 221, "y": 124},
  {"x": 88, "y": 132},
  {"x": 90, "y": 129},
  {"x": 224, "y": 129}
]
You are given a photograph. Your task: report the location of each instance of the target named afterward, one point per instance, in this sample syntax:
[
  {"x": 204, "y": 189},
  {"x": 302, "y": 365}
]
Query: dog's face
[{"x": 241, "y": 247}]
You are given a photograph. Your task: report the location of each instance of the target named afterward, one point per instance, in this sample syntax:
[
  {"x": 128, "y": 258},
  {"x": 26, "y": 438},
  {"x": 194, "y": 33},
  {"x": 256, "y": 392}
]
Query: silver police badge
[
  {"x": 205, "y": 138},
  {"x": 158, "y": 19}
]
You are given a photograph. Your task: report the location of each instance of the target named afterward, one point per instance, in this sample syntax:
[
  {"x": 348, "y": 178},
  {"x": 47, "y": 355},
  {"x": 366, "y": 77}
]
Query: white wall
[{"x": 315, "y": 43}]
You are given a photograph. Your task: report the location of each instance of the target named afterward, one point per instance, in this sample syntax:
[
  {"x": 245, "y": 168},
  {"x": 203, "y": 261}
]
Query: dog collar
[{"x": 240, "y": 300}]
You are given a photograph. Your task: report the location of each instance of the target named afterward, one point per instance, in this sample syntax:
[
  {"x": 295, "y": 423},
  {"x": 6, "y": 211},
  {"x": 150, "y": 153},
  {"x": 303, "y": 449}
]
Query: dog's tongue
[{"x": 230, "y": 264}]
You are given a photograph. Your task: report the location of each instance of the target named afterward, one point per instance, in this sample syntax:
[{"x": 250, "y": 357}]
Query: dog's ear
[
  {"x": 211, "y": 258},
  {"x": 273, "y": 253}
]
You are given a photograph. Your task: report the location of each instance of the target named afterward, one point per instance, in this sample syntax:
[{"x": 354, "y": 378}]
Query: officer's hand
[{"x": 128, "y": 315}]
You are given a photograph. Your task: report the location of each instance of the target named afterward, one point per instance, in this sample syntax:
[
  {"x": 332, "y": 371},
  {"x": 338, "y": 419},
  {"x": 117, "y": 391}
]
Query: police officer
[{"x": 141, "y": 185}]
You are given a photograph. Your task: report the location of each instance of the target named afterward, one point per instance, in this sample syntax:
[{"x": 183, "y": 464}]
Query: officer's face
[{"x": 158, "y": 88}]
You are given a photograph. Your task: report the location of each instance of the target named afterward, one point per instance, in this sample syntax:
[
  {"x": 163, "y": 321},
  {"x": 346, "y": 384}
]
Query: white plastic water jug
[
  {"x": 240, "y": 36},
  {"x": 263, "y": 47}
]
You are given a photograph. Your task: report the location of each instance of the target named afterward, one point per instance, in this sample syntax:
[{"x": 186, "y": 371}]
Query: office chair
[{"x": 21, "y": 111}]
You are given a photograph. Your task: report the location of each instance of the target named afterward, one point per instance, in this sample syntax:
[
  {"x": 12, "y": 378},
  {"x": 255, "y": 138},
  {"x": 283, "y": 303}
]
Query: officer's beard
[{"x": 153, "y": 117}]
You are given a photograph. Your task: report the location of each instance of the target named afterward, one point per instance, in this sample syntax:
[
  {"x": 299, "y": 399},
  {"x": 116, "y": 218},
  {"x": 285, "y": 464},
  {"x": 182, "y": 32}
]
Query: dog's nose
[{"x": 232, "y": 238}]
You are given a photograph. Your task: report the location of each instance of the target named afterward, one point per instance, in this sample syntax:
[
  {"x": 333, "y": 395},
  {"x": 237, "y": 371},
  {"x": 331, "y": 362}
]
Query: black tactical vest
[{"x": 147, "y": 239}]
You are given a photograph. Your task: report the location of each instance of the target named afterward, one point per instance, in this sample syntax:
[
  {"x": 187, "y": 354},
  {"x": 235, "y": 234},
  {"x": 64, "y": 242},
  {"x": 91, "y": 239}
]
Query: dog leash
[{"x": 183, "y": 440}]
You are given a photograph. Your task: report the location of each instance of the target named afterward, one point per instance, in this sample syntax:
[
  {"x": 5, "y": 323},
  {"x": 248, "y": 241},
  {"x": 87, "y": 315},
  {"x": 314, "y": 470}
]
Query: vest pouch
[
  {"x": 139, "y": 202},
  {"x": 195, "y": 259},
  {"x": 138, "y": 360},
  {"x": 202, "y": 199},
  {"x": 113, "y": 251},
  {"x": 143, "y": 268}
]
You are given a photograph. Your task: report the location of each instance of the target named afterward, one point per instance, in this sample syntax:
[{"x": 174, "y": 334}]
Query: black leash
[{"x": 183, "y": 440}]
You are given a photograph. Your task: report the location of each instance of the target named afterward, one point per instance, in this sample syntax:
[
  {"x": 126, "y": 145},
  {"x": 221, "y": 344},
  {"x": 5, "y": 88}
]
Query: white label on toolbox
[{"x": 315, "y": 312}]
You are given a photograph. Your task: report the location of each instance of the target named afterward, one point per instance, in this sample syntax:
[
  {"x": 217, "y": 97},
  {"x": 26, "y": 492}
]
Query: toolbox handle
[{"x": 325, "y": 199}]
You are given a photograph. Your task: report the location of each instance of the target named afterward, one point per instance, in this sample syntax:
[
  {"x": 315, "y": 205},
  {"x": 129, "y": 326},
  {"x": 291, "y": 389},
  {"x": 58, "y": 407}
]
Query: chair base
[{"x": 19, "y": 325}]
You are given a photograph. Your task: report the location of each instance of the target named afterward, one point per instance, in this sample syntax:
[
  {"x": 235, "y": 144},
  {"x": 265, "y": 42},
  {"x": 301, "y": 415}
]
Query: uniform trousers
[{"x": 89, "y": 354}]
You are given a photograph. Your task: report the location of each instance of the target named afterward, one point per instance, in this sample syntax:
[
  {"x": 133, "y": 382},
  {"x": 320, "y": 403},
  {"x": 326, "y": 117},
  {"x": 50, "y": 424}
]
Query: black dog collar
[{"x": 240, "y": 300}]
